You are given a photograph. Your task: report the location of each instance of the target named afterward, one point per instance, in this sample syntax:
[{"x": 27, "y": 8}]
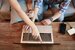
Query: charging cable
[{"x": 69, "y": 25}]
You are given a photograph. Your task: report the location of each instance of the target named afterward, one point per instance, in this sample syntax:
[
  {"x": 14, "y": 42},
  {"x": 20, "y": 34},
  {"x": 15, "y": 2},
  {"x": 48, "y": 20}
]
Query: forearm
[
  {"x": 56, "y": 16},
  {"x": 63, "y": 7},
  {"x": 21, "y": 13},
  {"x": 35, "y": 14},
  {"x": 26, "y": 19}
]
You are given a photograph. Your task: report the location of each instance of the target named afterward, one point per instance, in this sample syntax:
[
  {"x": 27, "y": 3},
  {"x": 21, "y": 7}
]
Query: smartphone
[{"x": 62, "y": 28}]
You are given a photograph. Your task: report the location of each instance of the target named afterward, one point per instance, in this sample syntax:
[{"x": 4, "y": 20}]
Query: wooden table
[{"x": 10, "y": 34}]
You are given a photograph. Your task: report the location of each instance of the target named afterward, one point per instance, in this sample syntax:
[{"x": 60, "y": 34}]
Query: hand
[
  {"x": 46, "y": 22},
  {"x": 30, "y": 14},
  {"x": 35, "y": 32}
]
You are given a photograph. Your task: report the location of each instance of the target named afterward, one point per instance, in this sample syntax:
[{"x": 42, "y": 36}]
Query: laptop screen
[{"x": 44, "y": 37}]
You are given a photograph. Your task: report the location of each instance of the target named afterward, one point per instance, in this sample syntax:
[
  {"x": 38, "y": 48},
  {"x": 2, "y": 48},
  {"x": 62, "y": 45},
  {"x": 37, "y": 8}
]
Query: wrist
[
  {"x": 33, "y": 27},
  {"x": 51, "y": 19}
]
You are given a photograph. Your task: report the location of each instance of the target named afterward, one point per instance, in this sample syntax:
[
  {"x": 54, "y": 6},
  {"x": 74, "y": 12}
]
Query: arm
[
  {"x": 21, "y": 13},
  {"x": 38, "y": 4},
  {"x": 63, "y": 7}
]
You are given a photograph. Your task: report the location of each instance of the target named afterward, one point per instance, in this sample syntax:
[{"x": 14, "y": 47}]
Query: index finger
[{"x": 40, "y": 38}]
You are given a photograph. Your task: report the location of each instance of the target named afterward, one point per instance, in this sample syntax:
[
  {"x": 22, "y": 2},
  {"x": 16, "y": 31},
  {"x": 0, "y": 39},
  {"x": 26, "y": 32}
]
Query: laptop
[{"x": 45, "y": 33}]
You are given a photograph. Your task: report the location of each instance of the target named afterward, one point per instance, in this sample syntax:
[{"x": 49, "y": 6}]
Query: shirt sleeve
[
  {"x": 64, "y": 5},
  {"x": 39, "y": 3}
]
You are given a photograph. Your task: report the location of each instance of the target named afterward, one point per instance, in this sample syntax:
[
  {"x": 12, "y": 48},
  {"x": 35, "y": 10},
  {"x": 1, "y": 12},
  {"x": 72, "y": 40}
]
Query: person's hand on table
[{"x": 46, "y": 22}]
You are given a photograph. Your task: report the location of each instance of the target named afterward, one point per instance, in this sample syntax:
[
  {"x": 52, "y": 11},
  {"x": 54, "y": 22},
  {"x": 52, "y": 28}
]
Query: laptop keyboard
[{"x": 44, "y": 36}]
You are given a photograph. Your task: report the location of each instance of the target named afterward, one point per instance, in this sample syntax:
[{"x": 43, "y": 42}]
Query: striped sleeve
[
  {"x": 39, "y": 3},
  {"x": 64, "y": 5}
]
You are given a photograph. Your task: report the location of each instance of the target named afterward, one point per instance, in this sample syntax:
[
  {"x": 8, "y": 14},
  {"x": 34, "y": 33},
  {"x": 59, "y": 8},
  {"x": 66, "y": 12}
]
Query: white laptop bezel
[{"x": 38, "y": 42}]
